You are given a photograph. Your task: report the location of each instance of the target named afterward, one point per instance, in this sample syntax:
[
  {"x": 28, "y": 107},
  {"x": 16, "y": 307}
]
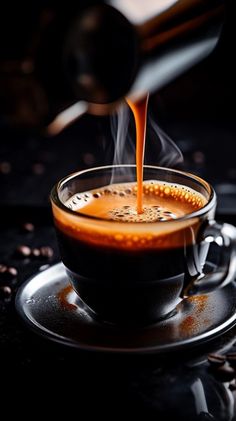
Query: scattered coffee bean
[
  {"x": 38, "y": 168},
  {"x": 28, "y": 227},
  {"x": 3, "y": 269},
  {"x": 35, "y": 252},
  {"x": 12, "y": 273},
  {"x": 5, "y": 293},
  {"x": 5, "y": 167},
  {"x": 224, "y": 373},
  {"x": 216, "y": 359},
  {"x": 199, "y": 157},
  {"x": 23, "y": 251},
  {"x": 7, "y": 273},
  {"x": 231, "y": 358},
  {"x": 88, "y": 158},
  {"x": 46, "y": 252}
]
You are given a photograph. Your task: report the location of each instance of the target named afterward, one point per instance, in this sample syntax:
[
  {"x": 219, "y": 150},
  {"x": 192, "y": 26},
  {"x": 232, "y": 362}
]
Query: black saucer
[{"x": 51, "y": 308}]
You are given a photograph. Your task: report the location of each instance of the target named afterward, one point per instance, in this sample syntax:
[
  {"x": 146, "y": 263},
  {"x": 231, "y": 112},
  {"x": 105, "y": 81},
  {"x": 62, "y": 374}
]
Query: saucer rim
[{"x": 44, "y": 332}]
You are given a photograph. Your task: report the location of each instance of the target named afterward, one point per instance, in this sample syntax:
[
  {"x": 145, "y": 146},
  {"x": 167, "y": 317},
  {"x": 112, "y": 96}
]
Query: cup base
[
  {"x": 128, "y": 303},
  {"x": 123, "y": 323}
]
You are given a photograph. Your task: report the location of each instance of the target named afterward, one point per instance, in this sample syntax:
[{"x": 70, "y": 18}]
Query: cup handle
[{"x": 224, "y": 235}]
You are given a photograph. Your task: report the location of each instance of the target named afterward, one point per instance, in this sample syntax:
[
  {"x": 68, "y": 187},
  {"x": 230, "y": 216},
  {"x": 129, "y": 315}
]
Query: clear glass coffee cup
[{"x": 132, "y": 269}]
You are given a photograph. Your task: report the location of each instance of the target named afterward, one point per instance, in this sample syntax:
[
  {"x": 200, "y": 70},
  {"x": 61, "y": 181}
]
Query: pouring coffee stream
[{"x": 139, "y": 109}]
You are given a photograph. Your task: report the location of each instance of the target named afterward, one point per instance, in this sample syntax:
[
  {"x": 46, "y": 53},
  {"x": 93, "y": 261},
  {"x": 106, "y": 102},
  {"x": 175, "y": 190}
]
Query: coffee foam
[
  {"x": 106, "y": 231},
  {"x": 107, "y": 228},
  {"x": 117, "y": 202}
]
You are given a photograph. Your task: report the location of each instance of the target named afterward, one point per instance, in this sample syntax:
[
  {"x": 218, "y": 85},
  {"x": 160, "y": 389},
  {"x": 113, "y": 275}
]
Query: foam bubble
[{"x": 162, "y": 201}]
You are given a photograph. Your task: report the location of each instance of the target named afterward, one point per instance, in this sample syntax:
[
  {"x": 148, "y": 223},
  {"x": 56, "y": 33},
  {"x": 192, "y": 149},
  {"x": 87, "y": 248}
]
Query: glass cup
[{"x": 135, "y": 273}]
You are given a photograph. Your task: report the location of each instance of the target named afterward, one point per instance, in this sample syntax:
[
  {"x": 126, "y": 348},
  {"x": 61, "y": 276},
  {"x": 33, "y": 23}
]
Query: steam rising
[
  {"x": 165, "y": 152},
  {"x": 124, "y": 146},
  {"x": 159, "y": 150}
]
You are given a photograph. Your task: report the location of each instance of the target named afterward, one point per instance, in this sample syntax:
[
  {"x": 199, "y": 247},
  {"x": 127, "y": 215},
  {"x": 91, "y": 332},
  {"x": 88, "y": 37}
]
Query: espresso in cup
[{"x": 127, "y": 267}]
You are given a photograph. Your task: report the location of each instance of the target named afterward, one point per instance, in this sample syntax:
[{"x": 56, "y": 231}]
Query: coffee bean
[
  {"x": 216, "y": 359},
  {"x": 23, "y": 251},
  {"x": 38, "y": 168},
  {"x": 3, "y": 273},
  {"x": 35, "y": 252},
  {"x": 224, "y": 373},
  {"x": 5, "y": 293},
  {"x": 28, "y": 227},
  {"x": 231, "y": 358},
  {"x": 7, "y": 273},
  {"x": 12, "y": 273},
  {"x": 46, "y": 252},
  {"x": 5, "y": 167},
  {"x": 3, "y": 269},
  {"x": 89, "y": 158}
]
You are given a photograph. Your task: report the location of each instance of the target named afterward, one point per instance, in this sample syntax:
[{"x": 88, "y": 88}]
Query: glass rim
[{"x": 54, "y": 195}]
